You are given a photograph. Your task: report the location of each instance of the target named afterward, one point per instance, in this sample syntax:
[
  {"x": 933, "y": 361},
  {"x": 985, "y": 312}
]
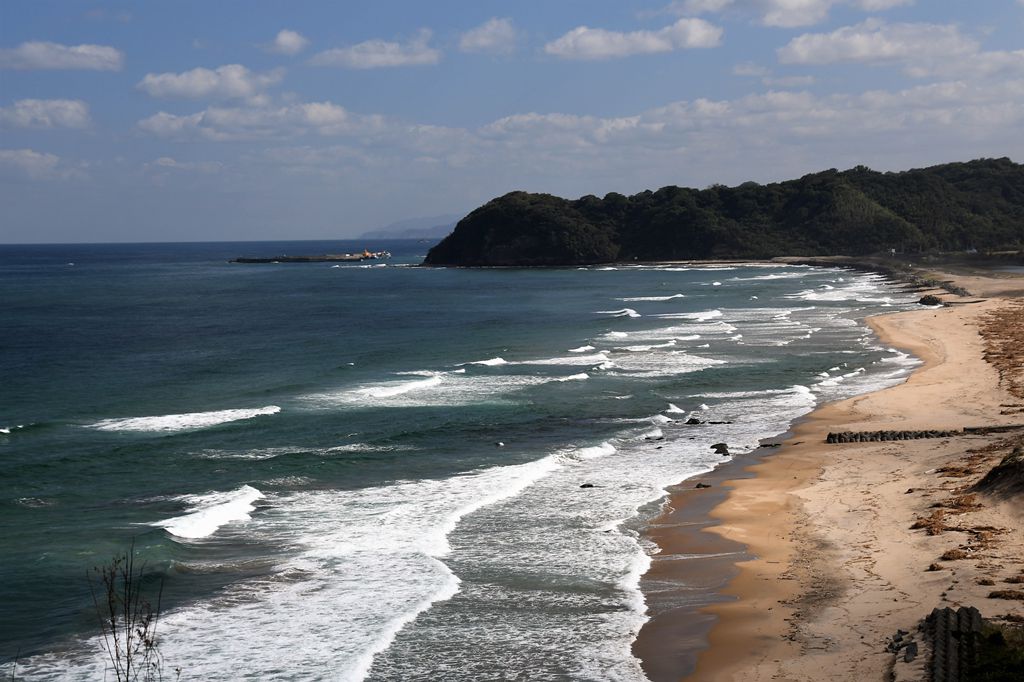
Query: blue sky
[{"x": 181, "y": 120}]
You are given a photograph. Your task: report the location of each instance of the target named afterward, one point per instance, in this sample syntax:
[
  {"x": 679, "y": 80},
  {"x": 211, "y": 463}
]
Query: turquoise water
[{"x": 373, "y": 471}]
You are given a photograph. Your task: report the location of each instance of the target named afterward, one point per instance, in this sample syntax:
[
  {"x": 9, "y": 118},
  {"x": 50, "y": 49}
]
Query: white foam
[
  {"x": 645, "y": 348},
  {"x": 778, "y": 275},
  {"x": 437, "y": 388},
  {"x": 861, "y": 289},
  {"x": 493, "y": 362},
  {"x": 581, "y": 349},
  {"x": 698, "y": 317},
  {"x": 210, "y": 512},
  {"x": 391, "y": 390},
  {"x": 622, "y": 312},
  {"x": 582, "y": 376},
  {"x": 672, "y": 409},
  {"x": 579, "y": 359},
  {"x": 651, "y": 298},
  {"x": 662, "y": 364},
  {"x": 182, "y": 422},
  {"x": 9, "y": 429},
  {"x": 261, "y": 454},
  {"x": 592, "y": 452}
]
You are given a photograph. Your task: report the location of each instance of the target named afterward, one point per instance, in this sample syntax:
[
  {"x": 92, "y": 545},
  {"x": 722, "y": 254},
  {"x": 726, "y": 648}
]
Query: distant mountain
[
  {"x": 432, "y": 227},
  {"x": 952, "y": 207}
]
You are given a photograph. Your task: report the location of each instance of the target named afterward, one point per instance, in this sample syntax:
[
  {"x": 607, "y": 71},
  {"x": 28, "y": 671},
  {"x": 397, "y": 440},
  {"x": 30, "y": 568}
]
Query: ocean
[{"x": 377, "y": 471}]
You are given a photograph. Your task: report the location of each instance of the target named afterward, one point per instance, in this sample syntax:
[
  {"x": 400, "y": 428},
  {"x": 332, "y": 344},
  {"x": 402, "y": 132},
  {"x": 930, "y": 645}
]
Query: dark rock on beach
[{"x": 877, "y": 436}]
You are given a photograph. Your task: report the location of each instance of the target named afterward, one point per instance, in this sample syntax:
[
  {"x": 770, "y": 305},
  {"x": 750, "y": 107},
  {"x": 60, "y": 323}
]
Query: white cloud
[
  {"x": 21, "y": 164},
  {"x": 496, "y": 36},
  {"x": 46, "y": 113},
  {"x": 43, "y": 55},
  {"x": 768, "y": 136},
  {"x": 922, "y": 50},
  {"x": 750, "y": 69},
  {"x": 596, "y": 43},
  {"x": 170, "y": 163},
  {"x": 225, "y": 82},
  {"x": 729, "y": 138},
  {"x": 248, "y": 123},
  {"x": 376, "y": 54},
  {"x": 781, "y": 13},
  {"x": 288, "y": 42},
  {"x": 877, "y": 41}
]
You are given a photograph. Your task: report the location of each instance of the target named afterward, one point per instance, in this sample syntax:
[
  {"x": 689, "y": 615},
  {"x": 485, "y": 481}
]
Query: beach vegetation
[{"x": 128, "y": 618}]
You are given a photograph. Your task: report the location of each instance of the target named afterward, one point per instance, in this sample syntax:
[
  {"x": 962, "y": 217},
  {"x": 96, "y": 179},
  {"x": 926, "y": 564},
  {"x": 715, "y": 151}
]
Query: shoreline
[{"x": 791, "y": 559}]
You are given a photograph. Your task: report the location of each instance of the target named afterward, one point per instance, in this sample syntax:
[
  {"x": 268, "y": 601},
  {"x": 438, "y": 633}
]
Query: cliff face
[{"x": 979, "y": 204}]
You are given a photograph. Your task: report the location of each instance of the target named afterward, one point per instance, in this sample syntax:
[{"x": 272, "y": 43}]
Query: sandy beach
[{"x": 820, "y": 553}]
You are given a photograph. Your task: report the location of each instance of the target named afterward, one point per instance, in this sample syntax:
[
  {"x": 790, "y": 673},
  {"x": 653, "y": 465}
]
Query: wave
[
  {"x": 723, "y": 268},
  {"x": 623, "y": 312},
  {"x": 581, "y": 349},
  {"x": 590, "y": 452},
  {"x": 261, "y": 454},
  {"x": 780, "y": 275},
  {"x": 210, "y": 512},
  {"x": 594, "y": 359},
  {"x": 650, "y": 298},
  {"x": 666, "y": 364},
  {"x": 10, "y": 429},
  {"x": 582, "y": 376},
  {"x": 643, "y": 349},
  {"x": 182, "y": 422},
  {"x": 704, "y": 316},
  {"x": 862, "y": 289},
  {"x": 493, "y": 362},
  {"x": 393, "y": 389},
  {"x": 672, "y": 409}
]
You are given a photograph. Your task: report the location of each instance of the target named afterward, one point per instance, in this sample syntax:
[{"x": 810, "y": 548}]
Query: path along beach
[{"x": 811, "y": 550}]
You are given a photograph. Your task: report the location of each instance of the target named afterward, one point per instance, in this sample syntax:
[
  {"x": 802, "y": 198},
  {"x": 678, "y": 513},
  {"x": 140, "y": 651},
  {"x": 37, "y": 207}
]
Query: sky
[{"x": 182, "y": 120}]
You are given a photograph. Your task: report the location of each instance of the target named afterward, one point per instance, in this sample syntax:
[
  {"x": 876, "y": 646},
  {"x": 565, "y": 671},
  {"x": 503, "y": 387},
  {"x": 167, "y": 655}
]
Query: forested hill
[{"x": 952, "y": 207}]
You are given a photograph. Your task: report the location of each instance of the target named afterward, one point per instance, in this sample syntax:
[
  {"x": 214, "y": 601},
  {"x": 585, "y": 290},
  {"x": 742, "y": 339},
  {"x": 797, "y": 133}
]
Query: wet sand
[{"x": 812, "y": 544}]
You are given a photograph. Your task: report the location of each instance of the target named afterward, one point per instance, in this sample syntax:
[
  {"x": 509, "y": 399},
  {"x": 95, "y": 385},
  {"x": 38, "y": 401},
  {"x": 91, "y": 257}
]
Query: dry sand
[{"x": 833, "y": 566}]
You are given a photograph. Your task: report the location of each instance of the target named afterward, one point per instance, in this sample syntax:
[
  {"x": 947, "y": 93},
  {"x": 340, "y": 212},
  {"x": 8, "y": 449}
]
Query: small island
[{"x": 323, "y": 258}]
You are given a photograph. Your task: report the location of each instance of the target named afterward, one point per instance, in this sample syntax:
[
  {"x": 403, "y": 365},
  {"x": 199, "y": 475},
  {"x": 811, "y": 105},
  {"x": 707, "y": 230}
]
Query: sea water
[{"x": 373, "y": 471}]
